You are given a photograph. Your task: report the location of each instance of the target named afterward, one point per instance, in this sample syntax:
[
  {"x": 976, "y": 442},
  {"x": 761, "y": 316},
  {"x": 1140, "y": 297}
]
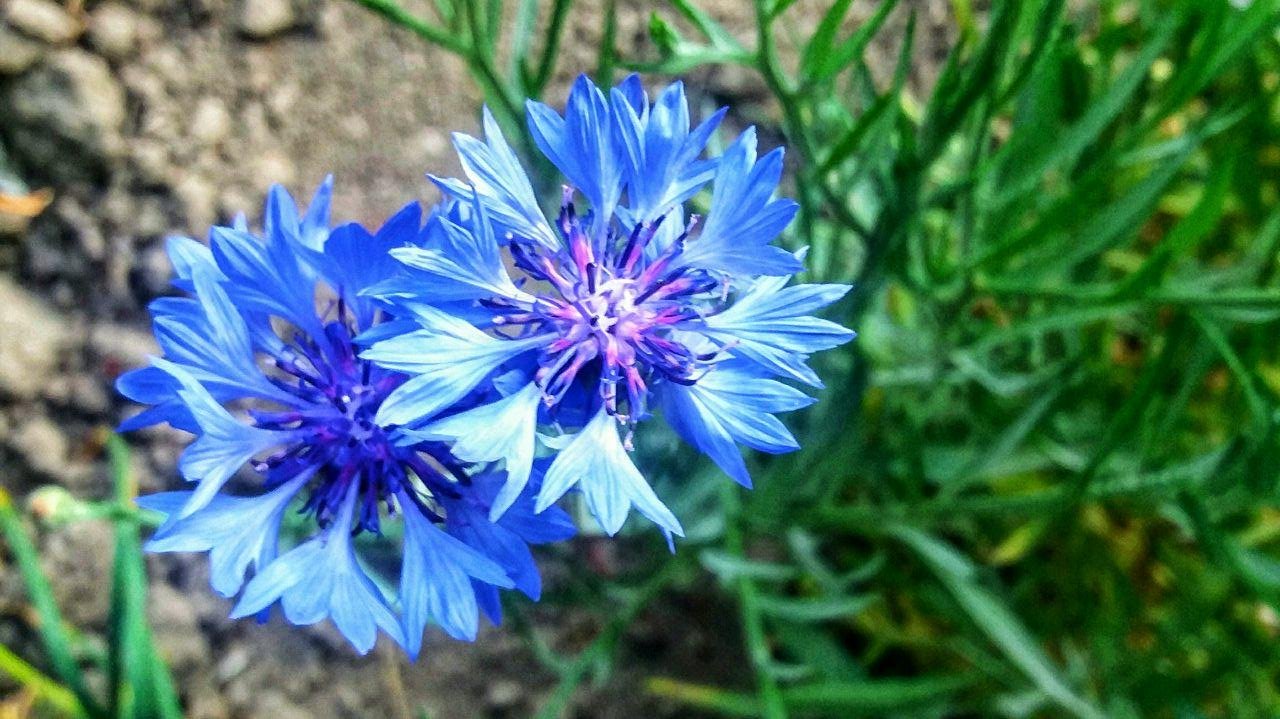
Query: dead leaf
[{"x": 28, "y": 205}]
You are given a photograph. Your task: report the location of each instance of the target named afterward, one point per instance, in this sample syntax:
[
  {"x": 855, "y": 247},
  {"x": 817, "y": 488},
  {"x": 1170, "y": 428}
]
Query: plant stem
[
  {"x": 423, "y": 29},
  {"x": 54, "y": 694},
  {"x": 603, "y": 644},
  {"x": 52, "y": 634},
  {"x": 749, "y": 604}
]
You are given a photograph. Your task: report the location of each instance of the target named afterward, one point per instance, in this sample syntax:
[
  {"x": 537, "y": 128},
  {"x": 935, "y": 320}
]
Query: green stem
[
  {"x": 757, "y": 643},
  {"x": 57, "y": 644},
  {"x": 423, "y": 29},
  {"x": 604, "y": 643},
  {"x": 54, "y": 694},
  {"x": 547, "y": 62},
  {"x": 481, "y": 62},
  {"x": 797, "y": 130}
]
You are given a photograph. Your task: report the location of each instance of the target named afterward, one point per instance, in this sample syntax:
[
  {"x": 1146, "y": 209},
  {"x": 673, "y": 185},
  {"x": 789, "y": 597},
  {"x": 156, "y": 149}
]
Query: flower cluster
[
  {"x": 270, "y": 326},
  {"x": 402, "y": 394}
]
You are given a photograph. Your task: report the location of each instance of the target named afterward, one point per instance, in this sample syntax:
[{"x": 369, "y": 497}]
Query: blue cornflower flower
[
  {"x": 622, "y": 307},
  {"x": 270, "y": 326}
]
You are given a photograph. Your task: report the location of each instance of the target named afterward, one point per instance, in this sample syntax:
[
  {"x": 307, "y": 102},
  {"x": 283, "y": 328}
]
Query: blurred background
[{"x": 1042, "y": 482}]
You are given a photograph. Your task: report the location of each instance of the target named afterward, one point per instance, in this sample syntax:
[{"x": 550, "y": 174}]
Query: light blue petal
[
  {"x": 449, "y": 357},
  {"x": 209, "y": 338},
  {"x": 731, "y": 404},
  {"x": 436, "y": 580},
  {"x": 322, "y": 577},
  {"x": 314, "y": 227},
  {"x": 770, "y": 325},
  {"x": 597, "y": 463},
  {"x": 185, "y": 254},
  {"x": 280, "y": 214},
  {"x": 498, "y": 179},
  {"x": 504, "y": 430},
  {"x": 466, "y": 264},
  {"x": 236, "y": 531},
  {"x": 742, "y": 220},
  {"x": 695, "y": 424},
  {"x": 658, "y": 151},
  {"x": 223, "y": 445}
]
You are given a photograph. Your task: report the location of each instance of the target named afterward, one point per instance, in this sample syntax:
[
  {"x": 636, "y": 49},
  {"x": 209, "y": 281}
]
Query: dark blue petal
[
  {"x": 581, "y": 145},
  {"x": 267, "y": 276}
]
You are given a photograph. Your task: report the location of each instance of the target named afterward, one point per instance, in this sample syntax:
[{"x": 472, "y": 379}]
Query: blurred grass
[
  {"x": 1043, "y": 481},
  {"x": 139, "y": 685}
]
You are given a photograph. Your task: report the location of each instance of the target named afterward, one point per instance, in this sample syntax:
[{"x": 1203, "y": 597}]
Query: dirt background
[{"x": 145, "y": 118}]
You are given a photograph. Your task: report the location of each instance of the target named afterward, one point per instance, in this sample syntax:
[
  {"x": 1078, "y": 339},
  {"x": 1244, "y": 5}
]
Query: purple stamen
[{"x": 618, "y": 312}]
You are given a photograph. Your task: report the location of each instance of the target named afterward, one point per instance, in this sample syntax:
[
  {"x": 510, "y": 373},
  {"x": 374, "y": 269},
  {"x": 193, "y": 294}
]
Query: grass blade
[
  {"x": 140, "y": 682},
  {"x": 1001, "y": 625},
  {"x": 57, "y": 644},
  {"x": 867, "y": 697}
]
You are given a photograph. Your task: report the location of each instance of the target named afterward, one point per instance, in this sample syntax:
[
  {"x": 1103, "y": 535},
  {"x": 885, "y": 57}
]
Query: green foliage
[
  {"x": 1041, "y": 481},
  {"x": 139, "y": 686}
]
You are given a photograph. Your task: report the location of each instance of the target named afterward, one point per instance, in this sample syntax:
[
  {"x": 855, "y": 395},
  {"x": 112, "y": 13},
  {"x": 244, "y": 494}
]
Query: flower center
[
  {"x": 340, "y": 395},
  {"x": 615, "y": 308}
]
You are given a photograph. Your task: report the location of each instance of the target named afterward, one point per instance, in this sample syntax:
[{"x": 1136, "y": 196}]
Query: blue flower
[
  {"x": 270, "y": 326},
  {"x": 620, "y": 304}
]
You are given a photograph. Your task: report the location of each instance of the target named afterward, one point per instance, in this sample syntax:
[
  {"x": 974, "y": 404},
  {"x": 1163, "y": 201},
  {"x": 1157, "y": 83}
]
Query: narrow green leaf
[
  {"x": 140, "y": 682},
  {"x": 1253, "y": 398},
  {"x": 521, "y": 40},
  {"x": 823, "y": 39},
  {"x": 853, "y": 47},
  {"x": 1026, "y": 172},
  {"x": 608, "y": 52},
  {"x": 868, "y": 697},
  {"x": 707, "y": 698},
  {"x": 46, "y": 690},
  {"x": 1004, "y": 444},
  {"x": 877, "y": 117},
  {"x": 1050, "y": 249},
  {"x": 551, "y": 45},
  {"x": 1189, "y": 232},
  {"x": 817, "y": 609},
  {"x": 710, "y": 29},
  {"x": 1001, "y": 625},
  {"x": 731, "y": 568},
  {"x": 954, "y": 99},
  {"x": 1217, "y": 51},
  {"x": 53, "y": 636},
  {"x": 874, "y": 696},
  {"x": 1256, "y": 570}
]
